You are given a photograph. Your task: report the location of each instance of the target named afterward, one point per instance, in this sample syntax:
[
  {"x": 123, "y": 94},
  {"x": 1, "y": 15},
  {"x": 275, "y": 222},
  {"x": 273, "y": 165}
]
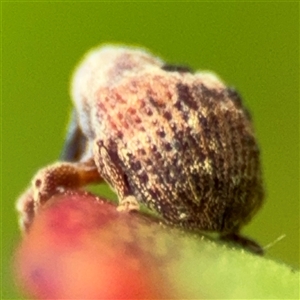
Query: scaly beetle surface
[{"x": 180, "y": 142}]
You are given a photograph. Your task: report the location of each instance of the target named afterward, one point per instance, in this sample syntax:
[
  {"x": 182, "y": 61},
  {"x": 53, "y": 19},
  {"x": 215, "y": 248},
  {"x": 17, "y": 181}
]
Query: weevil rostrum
[{"x": 180, "y": 142}]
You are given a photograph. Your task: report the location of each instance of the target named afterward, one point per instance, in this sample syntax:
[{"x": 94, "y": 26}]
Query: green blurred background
[{"x": 253, "y": 46}]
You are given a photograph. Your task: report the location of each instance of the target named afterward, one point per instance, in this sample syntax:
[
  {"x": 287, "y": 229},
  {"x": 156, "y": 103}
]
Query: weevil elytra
[{"x": 180, "y": 142}]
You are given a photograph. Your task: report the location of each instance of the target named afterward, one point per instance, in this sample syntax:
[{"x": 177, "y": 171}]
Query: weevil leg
[
  {"x": 63, "y": 175},
  {"x": 51, "y": 180},
  {"x": 243, "y": 241},
  {"x": 108, "y": 162},
  {"x": 128, "y": 203},
  {"x": 75, "y": 142}
]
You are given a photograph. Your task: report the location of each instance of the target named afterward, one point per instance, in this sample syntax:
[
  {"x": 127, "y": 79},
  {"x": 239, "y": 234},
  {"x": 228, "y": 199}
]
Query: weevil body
[{"x": 180, "y": 142}]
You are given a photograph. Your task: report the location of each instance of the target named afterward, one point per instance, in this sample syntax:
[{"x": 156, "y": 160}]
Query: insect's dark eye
[{"x": 177, "y": 68}]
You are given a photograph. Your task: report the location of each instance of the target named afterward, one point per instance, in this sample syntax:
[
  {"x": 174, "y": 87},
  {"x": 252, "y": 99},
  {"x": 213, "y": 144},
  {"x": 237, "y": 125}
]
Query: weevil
[{"x": 179, "y": 141}]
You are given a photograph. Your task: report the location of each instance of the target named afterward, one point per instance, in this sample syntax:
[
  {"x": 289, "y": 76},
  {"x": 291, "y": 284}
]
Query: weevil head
[{"x": 102, "y": 68}]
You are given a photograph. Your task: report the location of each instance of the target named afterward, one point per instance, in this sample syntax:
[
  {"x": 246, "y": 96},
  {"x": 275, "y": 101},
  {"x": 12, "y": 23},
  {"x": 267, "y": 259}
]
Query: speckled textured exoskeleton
[{"x": 178, "y": 141}]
